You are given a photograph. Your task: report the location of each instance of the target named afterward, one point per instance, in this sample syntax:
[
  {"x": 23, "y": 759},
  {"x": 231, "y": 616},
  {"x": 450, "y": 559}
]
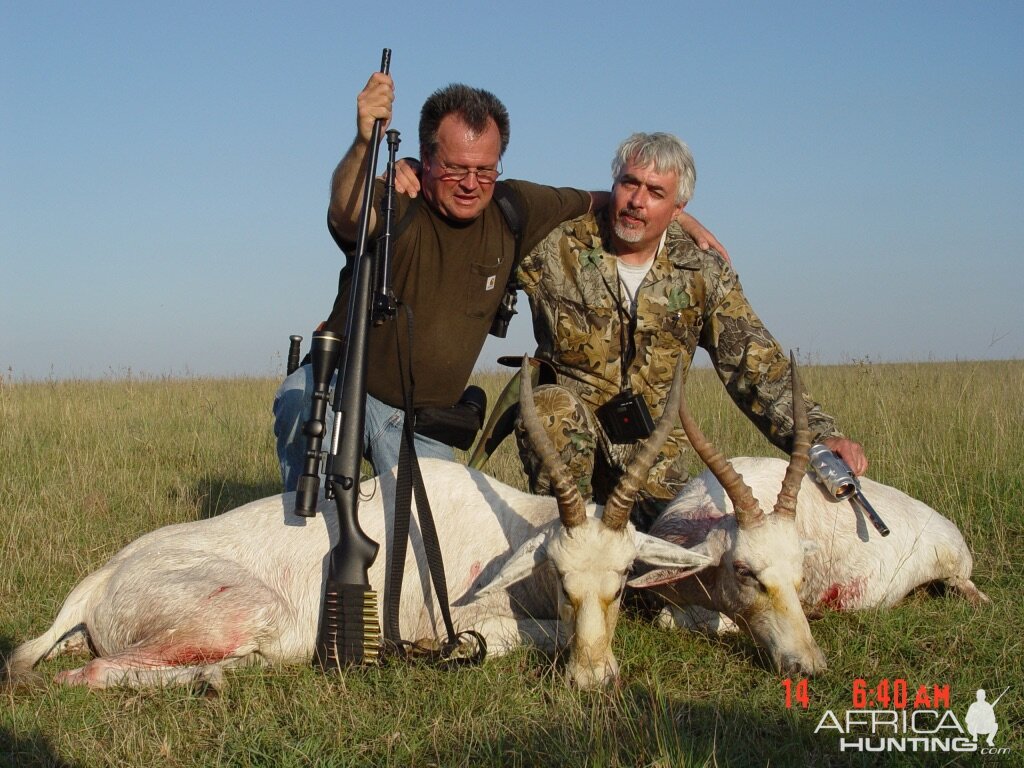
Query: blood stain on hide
[
  {"x": 194, "y": 655},
  {"x": 839, "y": 597},
  {"x": 474, "y": 571}
]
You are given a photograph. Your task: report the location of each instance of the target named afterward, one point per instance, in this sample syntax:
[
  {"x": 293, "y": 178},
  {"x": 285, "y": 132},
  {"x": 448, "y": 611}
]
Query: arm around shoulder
[{"x": 701, "y": 234}]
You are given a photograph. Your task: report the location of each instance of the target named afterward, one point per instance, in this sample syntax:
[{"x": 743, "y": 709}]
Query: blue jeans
[{"x": 382, "y": 431}]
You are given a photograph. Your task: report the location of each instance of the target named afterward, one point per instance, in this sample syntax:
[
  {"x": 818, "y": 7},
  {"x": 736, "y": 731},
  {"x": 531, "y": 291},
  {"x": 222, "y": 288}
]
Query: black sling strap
[
  {"x": 409, "y": 482},
  {"x": 508, "y": 203}
]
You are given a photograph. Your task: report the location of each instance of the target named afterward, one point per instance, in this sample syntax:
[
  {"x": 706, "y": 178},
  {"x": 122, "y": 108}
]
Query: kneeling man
[{"x": 617, "y": 296}]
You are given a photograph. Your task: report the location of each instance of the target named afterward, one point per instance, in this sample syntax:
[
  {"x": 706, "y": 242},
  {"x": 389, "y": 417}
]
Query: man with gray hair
[{"x": 617, "y": 296}]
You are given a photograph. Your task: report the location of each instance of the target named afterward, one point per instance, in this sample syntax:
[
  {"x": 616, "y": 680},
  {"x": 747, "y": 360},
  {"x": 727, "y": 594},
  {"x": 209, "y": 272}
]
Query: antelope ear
[
  {"x": 655, "y": 551},
  {"x": 677, "y": 562},
  {"x": 521, "y": 564},
  {"x": 661, "y": 576}
]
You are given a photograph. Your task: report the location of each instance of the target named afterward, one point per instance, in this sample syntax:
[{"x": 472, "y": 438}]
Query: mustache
[{"x": 633, "y": 213}]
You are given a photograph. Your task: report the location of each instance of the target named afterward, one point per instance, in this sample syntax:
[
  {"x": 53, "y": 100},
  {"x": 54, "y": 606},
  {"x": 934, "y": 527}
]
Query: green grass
[{"x": 88, "y": 466}]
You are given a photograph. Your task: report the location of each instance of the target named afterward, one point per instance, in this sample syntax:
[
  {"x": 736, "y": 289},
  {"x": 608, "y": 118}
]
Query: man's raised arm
[{"x": 347, "y": 182}]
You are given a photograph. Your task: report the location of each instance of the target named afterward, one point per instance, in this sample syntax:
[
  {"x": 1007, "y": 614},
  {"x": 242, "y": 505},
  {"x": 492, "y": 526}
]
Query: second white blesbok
[{"x": 810, "y": 553}]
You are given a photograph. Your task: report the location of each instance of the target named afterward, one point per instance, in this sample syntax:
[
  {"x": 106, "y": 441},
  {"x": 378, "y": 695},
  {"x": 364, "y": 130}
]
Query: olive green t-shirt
[{"x": 452, "y": 275}]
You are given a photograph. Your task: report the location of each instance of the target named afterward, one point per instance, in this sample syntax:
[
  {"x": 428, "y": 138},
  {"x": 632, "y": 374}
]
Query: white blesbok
[
  {"x": 184, "y": 602},
  {"x": 812, "y": 553},
  {"x": 591, "y": 554}
]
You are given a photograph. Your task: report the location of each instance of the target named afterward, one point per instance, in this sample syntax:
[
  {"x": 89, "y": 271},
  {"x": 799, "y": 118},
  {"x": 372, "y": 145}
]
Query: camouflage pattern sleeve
[{"x": 752, "y": 364}]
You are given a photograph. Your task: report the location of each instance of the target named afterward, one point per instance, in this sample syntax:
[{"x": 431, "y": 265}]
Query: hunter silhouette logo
[{"x": 981, "y": 717}]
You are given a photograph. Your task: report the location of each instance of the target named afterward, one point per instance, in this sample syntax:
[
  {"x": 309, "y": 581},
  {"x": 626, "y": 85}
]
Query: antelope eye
[{"x": 745, "y": 574}]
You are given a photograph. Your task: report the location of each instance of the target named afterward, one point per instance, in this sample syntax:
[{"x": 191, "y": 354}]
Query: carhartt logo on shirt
[{"x": 490, "y": 283}]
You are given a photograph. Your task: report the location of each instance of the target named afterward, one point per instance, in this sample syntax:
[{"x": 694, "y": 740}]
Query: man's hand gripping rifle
[{"x": 836, "y": 477}]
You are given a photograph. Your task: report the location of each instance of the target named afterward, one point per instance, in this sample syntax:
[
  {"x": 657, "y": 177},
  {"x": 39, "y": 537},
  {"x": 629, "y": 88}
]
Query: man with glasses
[{"x": 451, "y": 263}]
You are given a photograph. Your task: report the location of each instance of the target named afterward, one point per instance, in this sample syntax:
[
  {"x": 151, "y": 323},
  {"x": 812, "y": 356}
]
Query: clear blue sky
[{"x": 164, "y": 167}]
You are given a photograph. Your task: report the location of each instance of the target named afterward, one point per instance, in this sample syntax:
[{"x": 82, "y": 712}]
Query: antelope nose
[
  {"x": 803, "y": 665},
  {"x": 591, "y": 677}
]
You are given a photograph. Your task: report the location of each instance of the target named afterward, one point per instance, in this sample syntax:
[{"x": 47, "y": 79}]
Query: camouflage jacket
[{"x": 689, "y": 298}]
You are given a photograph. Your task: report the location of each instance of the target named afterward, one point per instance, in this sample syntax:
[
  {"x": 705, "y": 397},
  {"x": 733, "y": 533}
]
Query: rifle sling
[{"x": 409, "y": 482}]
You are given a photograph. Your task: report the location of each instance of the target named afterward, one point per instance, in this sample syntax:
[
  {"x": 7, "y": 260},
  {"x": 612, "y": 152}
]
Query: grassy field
[{"x": 88, "y": 466}]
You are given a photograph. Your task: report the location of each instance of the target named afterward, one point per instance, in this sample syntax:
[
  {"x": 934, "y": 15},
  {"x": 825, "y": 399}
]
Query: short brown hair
[{"x": 474, "y": 106}]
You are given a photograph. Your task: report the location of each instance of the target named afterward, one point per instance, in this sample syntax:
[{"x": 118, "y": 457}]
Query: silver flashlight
[{"x": 838, "y": 479}]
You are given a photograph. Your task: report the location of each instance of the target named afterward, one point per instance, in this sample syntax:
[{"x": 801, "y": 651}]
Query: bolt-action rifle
[{"x": 349, "y": 630}]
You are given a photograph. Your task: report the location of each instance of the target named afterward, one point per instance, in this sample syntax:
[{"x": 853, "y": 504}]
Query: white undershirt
[{"x": 632, "y": 275}]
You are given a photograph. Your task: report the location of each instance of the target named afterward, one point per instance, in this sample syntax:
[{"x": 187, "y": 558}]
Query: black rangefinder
[{"x": 626, "y": 418}]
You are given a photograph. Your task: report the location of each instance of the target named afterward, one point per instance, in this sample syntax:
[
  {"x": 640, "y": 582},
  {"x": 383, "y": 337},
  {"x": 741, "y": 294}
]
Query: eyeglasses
[{"x": 484, "y": 176}]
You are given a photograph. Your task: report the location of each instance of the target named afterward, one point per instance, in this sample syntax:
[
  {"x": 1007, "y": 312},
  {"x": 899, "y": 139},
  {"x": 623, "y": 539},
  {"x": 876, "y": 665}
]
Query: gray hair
[{"x": 665, "y": 152}]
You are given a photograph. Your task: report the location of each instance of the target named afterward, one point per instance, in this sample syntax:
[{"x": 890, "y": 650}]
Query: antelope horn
[
  {"x": 571, "y": 509},
  {"x": 748, "y": 511},
  {"x": 786, "y": 503},
  {"x": 620, "y": 501}
]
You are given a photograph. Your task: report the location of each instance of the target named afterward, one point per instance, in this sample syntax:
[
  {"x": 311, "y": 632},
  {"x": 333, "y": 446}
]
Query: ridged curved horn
[
  {"x": 748, "y": 511},
  {"x": 620, "y": 501},
  {"x": 785, "y": 505},
  {"x": 571, "y": 509}
]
